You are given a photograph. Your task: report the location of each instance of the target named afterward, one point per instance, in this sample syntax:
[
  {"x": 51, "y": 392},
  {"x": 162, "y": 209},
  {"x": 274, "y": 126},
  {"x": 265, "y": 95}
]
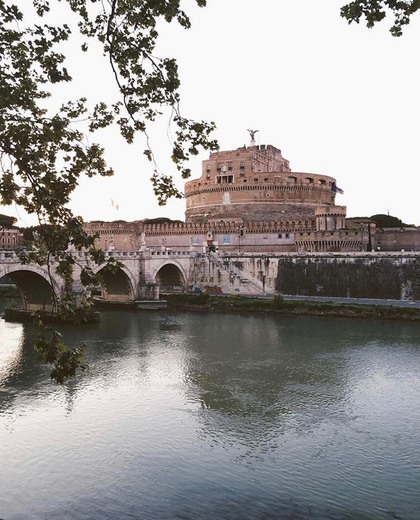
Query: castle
[
  {"x": 252, "y": 225},
  {"x": 248, "y": 200}
]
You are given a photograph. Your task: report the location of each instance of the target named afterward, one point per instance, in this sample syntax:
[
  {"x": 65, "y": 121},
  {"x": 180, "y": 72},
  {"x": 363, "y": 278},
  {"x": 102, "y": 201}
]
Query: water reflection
[
  {"x": 202, "y": 415},
  {"x": 272, "y": 368},
  {"x": 11, "y": 341}
]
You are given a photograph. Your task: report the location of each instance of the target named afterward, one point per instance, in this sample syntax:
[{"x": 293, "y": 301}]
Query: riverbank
[
  {"x": 278, "y": 304},
  {"x": 281, "y": 306},
  {"x": 21, "y": 315}
]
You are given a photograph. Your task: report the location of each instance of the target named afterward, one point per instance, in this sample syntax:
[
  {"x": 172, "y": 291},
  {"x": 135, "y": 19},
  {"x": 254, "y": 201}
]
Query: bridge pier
[{"x": 148, "y": 291}]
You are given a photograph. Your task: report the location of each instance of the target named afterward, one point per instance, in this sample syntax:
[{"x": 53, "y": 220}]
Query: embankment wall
[{"x": 371, "y": 276}]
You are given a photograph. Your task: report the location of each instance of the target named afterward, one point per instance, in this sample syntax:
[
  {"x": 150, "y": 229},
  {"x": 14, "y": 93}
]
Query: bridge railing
[{"x": 7, "y": 254}]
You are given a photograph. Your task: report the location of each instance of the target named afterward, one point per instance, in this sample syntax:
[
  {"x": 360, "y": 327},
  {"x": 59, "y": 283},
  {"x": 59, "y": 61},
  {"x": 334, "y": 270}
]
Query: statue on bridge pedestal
[
  {"x": 111, "y": 245},
  {"x": 142, "y": 244}
]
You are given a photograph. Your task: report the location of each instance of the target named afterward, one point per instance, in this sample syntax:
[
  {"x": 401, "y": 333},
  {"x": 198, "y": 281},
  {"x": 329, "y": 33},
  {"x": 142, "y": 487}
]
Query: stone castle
[
  {"x": 253, "y": 226},
  {"x": 248, "y": 200}
]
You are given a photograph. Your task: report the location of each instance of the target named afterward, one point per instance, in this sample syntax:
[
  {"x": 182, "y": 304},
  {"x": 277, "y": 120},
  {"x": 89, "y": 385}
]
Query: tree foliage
[
  {"x": 45, "y": 151},
  {"x": 6, "y": 222},
  {"x": 387, "y": 221},
  {"x": 374, "y": 11},
  {"x": 64, "y": 361}
]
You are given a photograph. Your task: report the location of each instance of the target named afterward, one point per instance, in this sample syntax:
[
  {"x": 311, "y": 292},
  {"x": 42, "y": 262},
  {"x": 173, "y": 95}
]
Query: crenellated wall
[{"x": 283, "y": 235}]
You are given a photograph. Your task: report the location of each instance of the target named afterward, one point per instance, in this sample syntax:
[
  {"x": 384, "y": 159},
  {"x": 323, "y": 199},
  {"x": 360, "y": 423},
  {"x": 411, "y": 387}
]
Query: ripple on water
[{"x": 225, "y": 417}]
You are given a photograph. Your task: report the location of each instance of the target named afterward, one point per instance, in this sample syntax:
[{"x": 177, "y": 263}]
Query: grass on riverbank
[{"x": 281, "y": 306}]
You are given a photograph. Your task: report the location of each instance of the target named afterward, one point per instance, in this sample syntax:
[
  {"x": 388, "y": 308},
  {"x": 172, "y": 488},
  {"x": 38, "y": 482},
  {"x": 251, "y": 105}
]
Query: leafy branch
[
  {"x": 52, "y": 350},
  {"x": 374, "y": 11}
]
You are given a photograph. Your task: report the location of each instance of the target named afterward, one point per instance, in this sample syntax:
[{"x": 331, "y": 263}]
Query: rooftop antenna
[{"x": 252, "y": 134}]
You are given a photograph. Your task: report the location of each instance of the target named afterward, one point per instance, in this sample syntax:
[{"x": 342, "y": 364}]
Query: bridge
[
  {"x": 142, "y": 276},
  {"x": 146, "y": 275}
]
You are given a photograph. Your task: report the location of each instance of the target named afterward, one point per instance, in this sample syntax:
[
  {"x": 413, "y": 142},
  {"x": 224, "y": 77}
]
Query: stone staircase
[{"x": 234, "y": 280}]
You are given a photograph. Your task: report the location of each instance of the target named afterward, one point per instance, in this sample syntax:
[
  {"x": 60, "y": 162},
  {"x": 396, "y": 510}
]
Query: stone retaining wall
[{"x": 392, "y": 277}]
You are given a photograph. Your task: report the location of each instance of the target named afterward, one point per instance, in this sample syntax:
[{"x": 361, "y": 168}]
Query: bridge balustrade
[{"x": 7, "y": 254}]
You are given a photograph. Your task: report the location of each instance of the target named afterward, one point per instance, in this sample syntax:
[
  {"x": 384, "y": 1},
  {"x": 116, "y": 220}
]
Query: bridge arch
[
  {"x": 37, "y": 290},
  {"x": 171, "y": 277},
  {"x": 117, "y": 284}
]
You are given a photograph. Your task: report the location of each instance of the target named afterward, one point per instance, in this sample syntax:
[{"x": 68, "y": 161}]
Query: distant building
[
  {"x": 10, "y": 238},
  {"x": 247, "y": 199}
]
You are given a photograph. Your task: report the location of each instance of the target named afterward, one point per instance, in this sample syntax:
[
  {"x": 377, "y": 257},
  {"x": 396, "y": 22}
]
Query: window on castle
[{"x": 224, "y": 179}]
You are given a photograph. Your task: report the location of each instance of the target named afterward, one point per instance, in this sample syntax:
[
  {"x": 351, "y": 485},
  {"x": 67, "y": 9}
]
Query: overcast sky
[{"x": 337, "y": 100}]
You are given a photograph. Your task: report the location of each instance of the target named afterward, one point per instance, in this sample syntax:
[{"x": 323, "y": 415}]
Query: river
[{"x": 200, "y": 415}]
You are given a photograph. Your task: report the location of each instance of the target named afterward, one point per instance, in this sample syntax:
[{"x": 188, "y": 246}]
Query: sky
[{"x": 337, "y": 99}]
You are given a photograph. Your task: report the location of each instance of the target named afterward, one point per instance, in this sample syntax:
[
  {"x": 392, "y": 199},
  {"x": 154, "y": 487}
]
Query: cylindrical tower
[{"x": 255, "y": 184}]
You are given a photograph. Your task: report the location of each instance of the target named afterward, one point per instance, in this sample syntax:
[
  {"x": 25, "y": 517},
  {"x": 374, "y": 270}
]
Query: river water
[{"x": 199, "y": 415}]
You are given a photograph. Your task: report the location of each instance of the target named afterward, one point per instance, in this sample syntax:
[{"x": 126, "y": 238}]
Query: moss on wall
[{"x": 381, "y": 278}]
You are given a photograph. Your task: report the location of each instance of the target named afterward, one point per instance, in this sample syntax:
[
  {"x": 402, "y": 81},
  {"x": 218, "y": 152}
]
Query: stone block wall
[
  {"x": 397, "y": 239},
  {"x": 373, "y": 276}
]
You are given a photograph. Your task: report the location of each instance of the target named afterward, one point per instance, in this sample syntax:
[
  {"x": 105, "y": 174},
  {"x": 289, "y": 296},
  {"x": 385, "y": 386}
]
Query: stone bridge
[
  {"x": 147, "y": 274},
  {"x": 143, "y": 275}
]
